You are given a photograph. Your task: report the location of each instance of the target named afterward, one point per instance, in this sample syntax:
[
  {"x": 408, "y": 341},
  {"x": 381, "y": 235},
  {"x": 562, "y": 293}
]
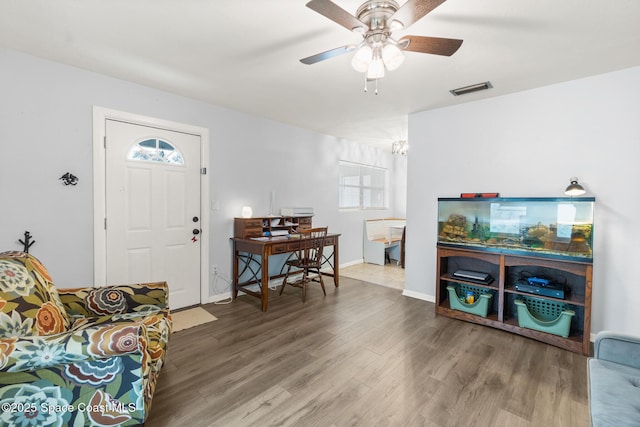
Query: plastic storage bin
[
  {"x": 482, "y": 297},
  {"x": 544, "y": 315}
]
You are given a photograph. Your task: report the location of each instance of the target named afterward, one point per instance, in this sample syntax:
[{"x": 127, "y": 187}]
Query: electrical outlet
[{"x": 214, "y": 270}]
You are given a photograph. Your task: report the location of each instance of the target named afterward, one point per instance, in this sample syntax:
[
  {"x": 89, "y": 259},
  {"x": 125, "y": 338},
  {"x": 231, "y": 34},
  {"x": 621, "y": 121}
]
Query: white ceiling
[{"x": 244, "y": 54}]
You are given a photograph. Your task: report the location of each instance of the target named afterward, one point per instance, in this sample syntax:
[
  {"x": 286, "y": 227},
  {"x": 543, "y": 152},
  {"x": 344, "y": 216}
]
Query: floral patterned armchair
[{"x": 86, "y": 356}]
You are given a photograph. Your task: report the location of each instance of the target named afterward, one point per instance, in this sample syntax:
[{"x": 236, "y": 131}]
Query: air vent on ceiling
[{"x": 471, "y": 88}]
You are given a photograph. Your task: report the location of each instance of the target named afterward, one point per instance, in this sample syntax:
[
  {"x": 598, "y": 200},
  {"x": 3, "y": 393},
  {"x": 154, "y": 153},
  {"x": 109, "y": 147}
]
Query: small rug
[{"x": 186, "y": 319}]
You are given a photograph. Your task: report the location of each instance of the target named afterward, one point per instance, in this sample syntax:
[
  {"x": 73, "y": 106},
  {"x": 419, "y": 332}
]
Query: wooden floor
[{"x": 364, "y": 355}]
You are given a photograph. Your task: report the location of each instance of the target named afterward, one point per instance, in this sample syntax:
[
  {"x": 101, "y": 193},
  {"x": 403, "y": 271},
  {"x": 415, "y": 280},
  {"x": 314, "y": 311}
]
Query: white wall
[
  {"x": 530, "y": 144},
  {"x": 46, "y": 130}
]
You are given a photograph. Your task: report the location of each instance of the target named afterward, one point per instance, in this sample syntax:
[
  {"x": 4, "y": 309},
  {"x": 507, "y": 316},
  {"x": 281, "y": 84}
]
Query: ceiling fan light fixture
[
  {"x": 376, "y": 20},
  {"x": 376, "y": 68},
  {"x": 361, "y": 60},
  {"x": 396, "y": 25},
  {"x": 392, "y": 56}
]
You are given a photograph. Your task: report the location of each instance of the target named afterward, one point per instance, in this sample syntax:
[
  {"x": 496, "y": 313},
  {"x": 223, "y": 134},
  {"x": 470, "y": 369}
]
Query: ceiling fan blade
[
  {"x": 337, "y": 14},
  {"x": 413, "y": 10},
  {"x": 327, "y": 55},
  {"x": 433, "y": 45}
]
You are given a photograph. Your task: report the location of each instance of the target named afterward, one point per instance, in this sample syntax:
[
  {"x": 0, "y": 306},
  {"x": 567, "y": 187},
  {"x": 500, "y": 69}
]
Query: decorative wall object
[{"x": 69, "y": 179}]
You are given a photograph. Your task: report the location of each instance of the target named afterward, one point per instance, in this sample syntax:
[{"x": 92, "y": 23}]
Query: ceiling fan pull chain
[{"x": 366, "y": 84}]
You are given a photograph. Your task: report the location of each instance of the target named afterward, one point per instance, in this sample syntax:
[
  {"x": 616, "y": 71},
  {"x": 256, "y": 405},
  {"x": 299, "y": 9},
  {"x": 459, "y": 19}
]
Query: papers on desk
[{"x": 270, "y": 239}]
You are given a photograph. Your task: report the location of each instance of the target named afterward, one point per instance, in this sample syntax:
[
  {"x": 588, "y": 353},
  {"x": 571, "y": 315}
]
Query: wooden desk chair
[{"x": 308, "y": 260}]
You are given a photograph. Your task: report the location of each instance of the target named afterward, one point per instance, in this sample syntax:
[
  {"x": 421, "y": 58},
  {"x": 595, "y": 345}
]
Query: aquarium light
[{"x": 574, "y": 189}]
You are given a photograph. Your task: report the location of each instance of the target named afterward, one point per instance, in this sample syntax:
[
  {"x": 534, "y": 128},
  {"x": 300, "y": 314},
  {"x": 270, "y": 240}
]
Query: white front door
[{"x": 153, "y": 218}]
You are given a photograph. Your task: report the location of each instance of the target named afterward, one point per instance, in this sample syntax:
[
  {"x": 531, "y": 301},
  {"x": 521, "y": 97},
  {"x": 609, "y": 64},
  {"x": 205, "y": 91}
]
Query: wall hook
[{"x": 27, "y": 241}]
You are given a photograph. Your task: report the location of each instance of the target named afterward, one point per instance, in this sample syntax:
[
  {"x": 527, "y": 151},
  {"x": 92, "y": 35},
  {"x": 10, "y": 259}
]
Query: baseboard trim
[
  {"x": 351, "y": 263},
  {"x": 418, "y": 295}
]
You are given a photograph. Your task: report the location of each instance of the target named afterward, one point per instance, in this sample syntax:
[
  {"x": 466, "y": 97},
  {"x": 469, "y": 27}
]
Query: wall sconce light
[
  {"x": 400, "y": 147},
  {"x": 574, "y": 189},
  {"x": 247, "y": 212}
]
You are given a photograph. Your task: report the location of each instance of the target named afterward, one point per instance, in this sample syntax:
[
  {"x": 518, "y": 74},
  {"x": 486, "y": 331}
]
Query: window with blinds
[{"x": 361, "y": 186}]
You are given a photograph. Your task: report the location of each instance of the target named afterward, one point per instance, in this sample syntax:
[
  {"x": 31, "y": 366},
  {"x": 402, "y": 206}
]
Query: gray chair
[
  {"x": 307, "y": 261},
  {"x": 614, "y": 380}
]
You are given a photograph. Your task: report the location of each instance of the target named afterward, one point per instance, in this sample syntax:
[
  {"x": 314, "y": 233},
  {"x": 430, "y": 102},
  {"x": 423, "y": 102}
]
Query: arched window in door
[{"x": 155, "y": 150}]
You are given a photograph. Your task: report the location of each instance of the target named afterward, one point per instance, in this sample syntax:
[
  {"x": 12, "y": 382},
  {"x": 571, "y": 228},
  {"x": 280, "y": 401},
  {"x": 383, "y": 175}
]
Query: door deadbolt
[{"x": 195, "y": 219}]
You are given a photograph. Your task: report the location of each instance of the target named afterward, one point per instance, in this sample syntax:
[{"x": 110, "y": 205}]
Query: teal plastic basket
[
  {"x": 482, "y": 297},
  {"x": 544, "y": 315}
]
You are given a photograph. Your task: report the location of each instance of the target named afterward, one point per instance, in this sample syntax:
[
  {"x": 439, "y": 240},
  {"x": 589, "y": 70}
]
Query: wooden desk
[{"x": 245, "y": 252}]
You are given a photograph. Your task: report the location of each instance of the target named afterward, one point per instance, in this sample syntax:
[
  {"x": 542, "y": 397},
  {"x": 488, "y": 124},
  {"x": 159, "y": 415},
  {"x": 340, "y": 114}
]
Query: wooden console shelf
[{"x": 505, "y": 268}]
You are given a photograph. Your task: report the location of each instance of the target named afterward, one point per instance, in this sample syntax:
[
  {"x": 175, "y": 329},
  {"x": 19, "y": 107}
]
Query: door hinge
[
  {"x": 104, "y": 141},
  {"x": 105, "y": 223},
  {"x": 203, "y": 171}
]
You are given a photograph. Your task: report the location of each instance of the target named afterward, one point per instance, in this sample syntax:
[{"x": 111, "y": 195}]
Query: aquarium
[{"x": 555, "y": 227}]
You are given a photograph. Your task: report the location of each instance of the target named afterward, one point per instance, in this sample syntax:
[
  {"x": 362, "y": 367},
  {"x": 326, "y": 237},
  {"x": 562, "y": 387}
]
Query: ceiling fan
[{"x": 376, "y": 20}]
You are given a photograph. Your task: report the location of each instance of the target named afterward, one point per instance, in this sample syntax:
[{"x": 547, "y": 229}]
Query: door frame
[{"x": 100, "y": 116}]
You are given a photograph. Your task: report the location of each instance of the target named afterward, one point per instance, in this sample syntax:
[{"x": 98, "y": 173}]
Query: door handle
[{"x": 196, "y": 231}]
